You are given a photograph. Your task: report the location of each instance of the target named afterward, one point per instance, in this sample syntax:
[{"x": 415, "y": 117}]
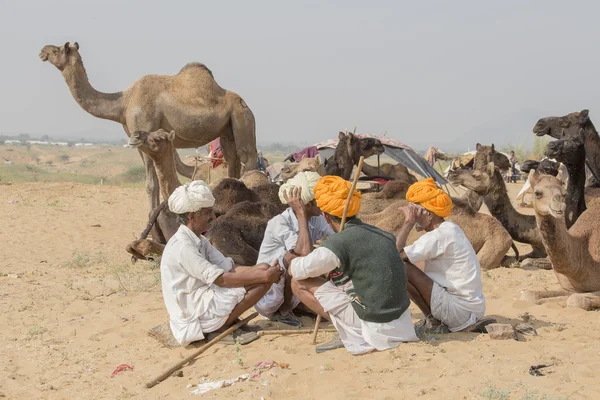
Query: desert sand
[{"x": 74, "y": 308}]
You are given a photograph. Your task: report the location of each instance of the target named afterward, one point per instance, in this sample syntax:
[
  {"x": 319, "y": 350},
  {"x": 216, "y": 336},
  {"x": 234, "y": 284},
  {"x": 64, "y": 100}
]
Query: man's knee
[{"x": 297, "y": 286}]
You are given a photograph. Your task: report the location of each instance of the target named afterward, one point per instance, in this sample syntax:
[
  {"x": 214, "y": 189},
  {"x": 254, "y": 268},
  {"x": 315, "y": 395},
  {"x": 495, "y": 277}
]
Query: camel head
[
  {"x": 570, "y": 150},
  {"x": 306, "y": 164},
  {"x": 487, "y": 154},
  {"x": 61, "y": 56},
  {"x": 358, "y": 147},
  {"x": 549, "y": 195},
  {"x": 155, "y": 144},
  {"x": 562, "y": 127},
  {"x": 476, "y": 180}
]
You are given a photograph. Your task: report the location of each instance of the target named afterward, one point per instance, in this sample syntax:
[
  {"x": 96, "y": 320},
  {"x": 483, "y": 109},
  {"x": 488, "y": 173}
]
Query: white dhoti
[
  {"x": 445, "y": 307},
  {"x": 211, "y": 318},
  {"x": 360, "y": 336},
  {"x": 273, "y": 299}
]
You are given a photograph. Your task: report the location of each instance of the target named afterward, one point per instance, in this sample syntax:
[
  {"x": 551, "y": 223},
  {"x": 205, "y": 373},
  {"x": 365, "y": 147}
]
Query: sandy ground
[{"x": 74, "y": 308}]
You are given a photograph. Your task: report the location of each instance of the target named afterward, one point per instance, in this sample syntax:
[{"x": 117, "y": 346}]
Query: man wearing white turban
[
  {"x": 204, "y": 292},
  {"x": 283, "y": 235}
]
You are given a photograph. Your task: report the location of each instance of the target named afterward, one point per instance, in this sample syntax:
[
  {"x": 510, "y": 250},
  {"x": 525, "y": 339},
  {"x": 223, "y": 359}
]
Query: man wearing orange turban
[
  {"x": 365, "y": 296},
  {"x": 448, "y": 289}
]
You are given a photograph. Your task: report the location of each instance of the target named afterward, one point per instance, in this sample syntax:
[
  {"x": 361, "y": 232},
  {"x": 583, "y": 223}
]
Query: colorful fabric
[
  {"x": 216, "y": 153},
  {"x": 331, "y": 194},
  {"x": 427, "y": 194}
]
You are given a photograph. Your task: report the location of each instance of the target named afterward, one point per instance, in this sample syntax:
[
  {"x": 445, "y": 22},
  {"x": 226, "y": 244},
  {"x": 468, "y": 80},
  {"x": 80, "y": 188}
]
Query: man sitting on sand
[
  {"x": 295, "y": 230},
  {"x": 204, "y": 291},
  {"x": 366, "y": 296},
  {"x": 448, "y": 290}
]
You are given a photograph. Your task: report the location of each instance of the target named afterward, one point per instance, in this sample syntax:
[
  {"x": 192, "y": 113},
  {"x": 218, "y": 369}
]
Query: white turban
[
  {"x": 307, "y": 180},
  {"x": 191, "y": 197}
]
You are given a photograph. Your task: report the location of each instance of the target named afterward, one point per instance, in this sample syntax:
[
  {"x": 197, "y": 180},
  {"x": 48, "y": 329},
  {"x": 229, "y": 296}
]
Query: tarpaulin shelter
[{"x": 397, "y": 151}]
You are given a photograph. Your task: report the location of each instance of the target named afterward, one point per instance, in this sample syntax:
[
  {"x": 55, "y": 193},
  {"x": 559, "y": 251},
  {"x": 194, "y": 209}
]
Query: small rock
[
  {"x": 526, "y": 329},
  {"x": 178, "y": 374},
  {"x": 14, "y": 276},
  {"x": 96, "y": 226},
  {"x": 501, "y": 331}
]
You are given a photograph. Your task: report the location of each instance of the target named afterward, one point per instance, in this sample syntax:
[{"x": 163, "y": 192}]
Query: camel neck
[
  {"x": 101, "y": 105},
  {"x": 498, "y": 202},
  {"x": 558, "y": 243},
  {"x": 592, "y": 149},
  {"x": 575, "y": 200},
  {"x": 167, "y": 175}
]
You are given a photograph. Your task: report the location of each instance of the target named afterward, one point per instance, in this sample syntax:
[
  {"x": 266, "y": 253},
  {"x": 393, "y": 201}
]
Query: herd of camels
[{"x": 163, "y": 113}]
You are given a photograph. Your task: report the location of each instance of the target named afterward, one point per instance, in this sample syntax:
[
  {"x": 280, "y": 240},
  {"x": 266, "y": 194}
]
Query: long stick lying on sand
[
  {"x": 346, "y": 206},
  {"x": 291, "y": 331},
  {"x": 202, "y": 349}
]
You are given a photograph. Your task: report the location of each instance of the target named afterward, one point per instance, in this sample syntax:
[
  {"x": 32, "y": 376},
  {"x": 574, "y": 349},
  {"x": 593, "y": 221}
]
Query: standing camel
[{"x": 191, "y": 103}]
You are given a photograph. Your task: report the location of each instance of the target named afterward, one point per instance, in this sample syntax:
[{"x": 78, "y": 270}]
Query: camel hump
[{"x": 195, "y": 65}]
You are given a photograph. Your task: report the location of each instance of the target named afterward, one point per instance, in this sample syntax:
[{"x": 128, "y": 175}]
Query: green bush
[{"x": 132, "y": 175}]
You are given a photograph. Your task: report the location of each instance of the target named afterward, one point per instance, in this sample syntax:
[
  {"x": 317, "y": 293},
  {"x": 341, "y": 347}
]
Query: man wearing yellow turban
[
  {"x": 294, "y": 230},
  {"x": 448, "y": 289},
  {"x": 365, "y": 296}
]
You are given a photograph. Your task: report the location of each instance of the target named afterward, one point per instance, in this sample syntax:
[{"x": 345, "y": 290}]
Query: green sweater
[{"x": 369, "y": 258}]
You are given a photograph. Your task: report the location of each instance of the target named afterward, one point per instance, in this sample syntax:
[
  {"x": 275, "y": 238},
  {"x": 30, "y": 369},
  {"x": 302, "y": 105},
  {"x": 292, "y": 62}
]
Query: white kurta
[
  {"x": 452, "y": 264},
  {"x": 188, "y": 268},
  {"x": 358, "y": 336},
  {"x": 280, "y": 237}
]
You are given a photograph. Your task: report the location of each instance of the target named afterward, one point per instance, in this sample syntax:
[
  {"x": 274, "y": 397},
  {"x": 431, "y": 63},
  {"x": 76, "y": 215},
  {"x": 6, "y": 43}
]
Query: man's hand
[
  {"x": 410, "y": 214},
  {"x": 294, "y": 198},
  {"x": 274, "y": 272}
]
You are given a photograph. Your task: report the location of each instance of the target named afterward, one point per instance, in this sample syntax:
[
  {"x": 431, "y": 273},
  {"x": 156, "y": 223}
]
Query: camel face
[
  {"x": 568, "y": 151},
  {"x": 152, "y": 143},
  {"x": 475, "y": 180},
  {"x": 562, "y": 127},
  {"x": 549, "y": 195},
  {"x": 366, "y": 147},
  {"x": 59, "y": 56}
]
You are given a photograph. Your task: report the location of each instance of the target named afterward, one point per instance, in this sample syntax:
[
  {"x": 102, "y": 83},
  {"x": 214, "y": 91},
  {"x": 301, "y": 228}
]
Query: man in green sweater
[{"x": 366, "y": 295}]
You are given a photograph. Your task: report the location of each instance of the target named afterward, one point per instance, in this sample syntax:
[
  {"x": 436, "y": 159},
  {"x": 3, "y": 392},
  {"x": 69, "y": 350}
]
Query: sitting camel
[
  {"x": 347, "y": 153},
  {"x": 487, "y": 236},
  {"x": 570, "y": 125},
  {"x": 239, "y": 233},
  {"x": 574, "y": 253},
  {"x": 491, "y": 187},
  {"x": 267, "y": 191},
  {"x": 396, "y": 172},
  {"x": 158, "y": 146},
  {"x": 306, "y": 164}
]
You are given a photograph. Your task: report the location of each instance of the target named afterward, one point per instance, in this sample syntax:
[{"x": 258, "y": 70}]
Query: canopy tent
[{"x": 399, "y": 152}]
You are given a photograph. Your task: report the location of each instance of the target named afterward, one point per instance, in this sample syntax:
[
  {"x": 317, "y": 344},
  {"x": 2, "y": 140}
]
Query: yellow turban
[
  {"x": 331, "y": 194},
  {"x": 427, "y": 194}
]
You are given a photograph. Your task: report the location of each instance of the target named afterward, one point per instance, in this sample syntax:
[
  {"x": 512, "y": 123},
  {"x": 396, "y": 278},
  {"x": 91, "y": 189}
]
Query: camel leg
[
  {"x": 145, "y": 249},
  {"x": 231, "y": 157},
  {"x": 586, "y": 301},
  {"x": 492, "y": 252},
  {"x": 244, "y": 134},
  {"x": 152, "y": 188},
  {"x": 536, "y": 296}
]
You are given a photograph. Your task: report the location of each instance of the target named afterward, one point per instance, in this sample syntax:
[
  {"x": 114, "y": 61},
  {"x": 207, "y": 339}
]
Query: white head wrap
[
  {"x": 191, "y": 197},
  {"x": 307, "y": 180}
]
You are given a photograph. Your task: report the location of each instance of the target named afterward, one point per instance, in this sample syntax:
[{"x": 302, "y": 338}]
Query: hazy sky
[{"x": 429, "y": 72}]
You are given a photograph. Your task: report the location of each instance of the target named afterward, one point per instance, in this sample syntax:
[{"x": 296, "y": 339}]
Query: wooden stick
[
  {"x": 195, "y": 164},
  {"x": 291, "y": 331},
  {"x": 346, "y": 206},
  {"x": 208, "y": 345}
]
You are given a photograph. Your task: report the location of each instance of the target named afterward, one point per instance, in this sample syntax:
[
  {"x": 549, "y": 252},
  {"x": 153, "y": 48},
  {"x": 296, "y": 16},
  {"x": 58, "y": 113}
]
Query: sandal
[
  {"x": 288, "y": 318},
  {"x": 238, "y": 336}
]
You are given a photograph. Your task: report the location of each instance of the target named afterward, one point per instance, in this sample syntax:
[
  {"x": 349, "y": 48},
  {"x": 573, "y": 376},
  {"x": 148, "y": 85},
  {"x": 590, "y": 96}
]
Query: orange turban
[
  {"x": 331, "y": 193},
  {"x": 427, "y": 194}
]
